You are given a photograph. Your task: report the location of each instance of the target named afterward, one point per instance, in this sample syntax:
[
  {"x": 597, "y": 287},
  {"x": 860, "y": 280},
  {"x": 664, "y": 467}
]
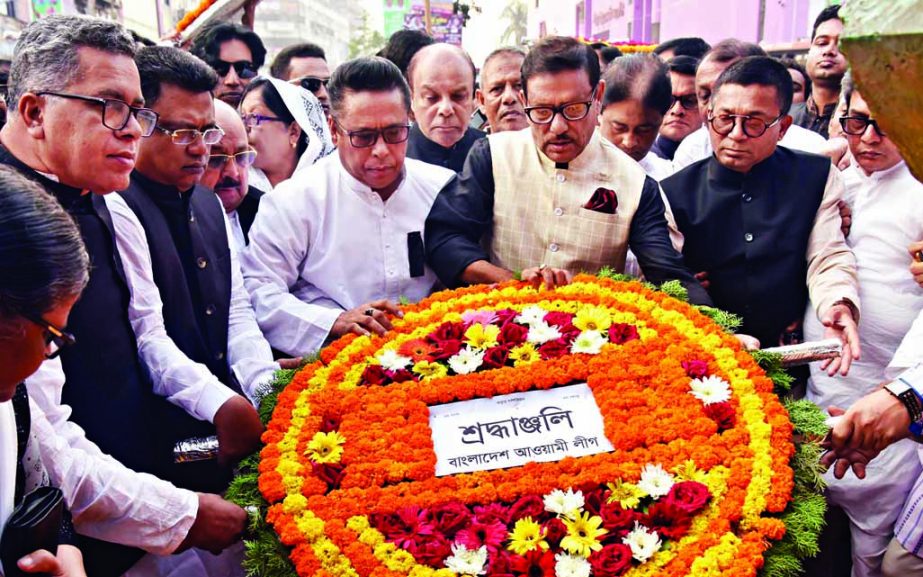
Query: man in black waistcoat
[
  {"x": 762, "y": 221},
  {"x": 441, "y": 79},
  {"x": 74, "y": 128}
]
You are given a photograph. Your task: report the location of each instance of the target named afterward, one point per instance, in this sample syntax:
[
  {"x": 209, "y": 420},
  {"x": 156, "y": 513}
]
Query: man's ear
[
  {"x": 785, "y": 123},
  {"x": 31, "y": 109},
  {"x": 334, "y": 133}
]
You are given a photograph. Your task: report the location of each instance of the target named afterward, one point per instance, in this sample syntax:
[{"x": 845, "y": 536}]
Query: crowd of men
[{"x": 237, "y": 222}]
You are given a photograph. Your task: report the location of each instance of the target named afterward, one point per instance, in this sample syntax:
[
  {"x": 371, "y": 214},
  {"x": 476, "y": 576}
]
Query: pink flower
[
  {"x": 483, "y": 318},
  {"x": 477, "y": 534},
  {"x": 408, "y": 527},
  {"x": 492, "y": 513},
  {"x": 695, "y": 369},
  {"x": 689, "y": 496},
  {"x": 431, "y": 550},
  {"x": 558, "y": 318},
  {"x": 620, "y": 333},
  {"x": 449, "y": 518}
]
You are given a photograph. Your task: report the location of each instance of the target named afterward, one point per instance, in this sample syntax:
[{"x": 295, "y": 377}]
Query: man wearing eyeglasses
[
  {"x": 236, "y": 53},
  {"x": 557, "y": 199},
  {"x": 683, "y": 118},
  {"x": 887, "y": 204},
  {"x": 304, "y": 64},
  {"x": 226, "y": 174},
  {"x": 75, "y": 128},
  {"x": 333, "y": 251},
  {"x": 761, "y": 220}
]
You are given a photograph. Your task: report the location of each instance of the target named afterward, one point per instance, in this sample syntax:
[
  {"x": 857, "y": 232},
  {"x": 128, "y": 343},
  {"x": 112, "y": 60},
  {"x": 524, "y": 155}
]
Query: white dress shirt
[
  {"x": 324, "y": 242},
  {"x": 887, "y": 217},
  {"x": 237, "y": 238},
  {"x": 656, "y": 167},
  {"x": 107, "y": 500},
  {"x": 187, "y": 384},
  {"x": 697, "y": 145}
]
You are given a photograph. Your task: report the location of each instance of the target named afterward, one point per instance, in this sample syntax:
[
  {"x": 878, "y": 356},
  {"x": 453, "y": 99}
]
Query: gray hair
[{"x": 46, "y": 54}]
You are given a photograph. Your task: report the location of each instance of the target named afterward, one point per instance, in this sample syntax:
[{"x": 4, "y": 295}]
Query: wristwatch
[{"x": 908, "y": 396}]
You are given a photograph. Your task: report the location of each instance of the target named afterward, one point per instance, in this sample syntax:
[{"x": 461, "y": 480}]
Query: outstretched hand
[{"x": 840, "y": 324}]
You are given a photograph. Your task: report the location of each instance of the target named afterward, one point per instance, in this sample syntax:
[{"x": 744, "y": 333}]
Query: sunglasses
[
  {"x": 243, "y": 68},
  {"x": 687, "y": 101},
  {"x": 243, "y": 159},
  {"x": 311, "y": 83},
  {"x": 54, "y": 336}
]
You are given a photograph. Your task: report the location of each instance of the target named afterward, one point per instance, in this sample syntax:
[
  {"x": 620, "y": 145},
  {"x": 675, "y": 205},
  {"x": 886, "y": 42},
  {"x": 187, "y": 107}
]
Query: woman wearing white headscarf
[{"x": 287, "y": 127}]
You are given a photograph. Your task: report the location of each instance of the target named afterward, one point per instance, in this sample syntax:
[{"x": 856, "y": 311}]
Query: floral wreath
[{"x": 700, "y": 481}]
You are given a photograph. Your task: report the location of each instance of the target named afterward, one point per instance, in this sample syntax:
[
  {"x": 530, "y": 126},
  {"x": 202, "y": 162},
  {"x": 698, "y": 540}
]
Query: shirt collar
[
  {"x": 882, "y": 175},
  {"x": 68, "y": 196},
  {"x": 812, "y": 108},
  {"x": 362, "y": 189}
]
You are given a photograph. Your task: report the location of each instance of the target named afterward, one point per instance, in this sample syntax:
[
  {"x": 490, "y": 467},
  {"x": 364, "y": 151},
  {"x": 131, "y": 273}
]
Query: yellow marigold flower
[
  {"x": 628, "y": 495},
  {"x": 524, "y": 354},
  {"x": 583, "y": 533},
  {"x": 358, "y": 523},
  {"x": 481, "y": 337},
  {"x": 326, "y": 447},
  {"x": 592, "y": 319},
  {"x": 527, "y": 535},
  {"x": 401, "y": 561},
  {"x": 371, "y": 537},
  {"x": 294, "y": 504},
  {"x": 311, "y": 527},
  {"x": 430, "y": 370}
]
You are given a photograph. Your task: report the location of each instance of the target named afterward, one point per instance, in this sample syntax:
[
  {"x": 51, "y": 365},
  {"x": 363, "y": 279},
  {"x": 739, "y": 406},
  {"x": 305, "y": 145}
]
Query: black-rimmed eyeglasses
[
  {"x": 116, "y": 113},
  {"x": 570, "y": 111},
  {"x": 857, "y": 125},
  {"x": 243, "y": 159},
  {"x": 366, "y": 138},
  {"x": 243, "y": 68},
  {"x": 311, "y": 83},
  {"x": 687, "y": 101},
  {"x": 54, "y": 337},
  {"x": 186, "y": 136},
  {"x": 752, "y": 126}
]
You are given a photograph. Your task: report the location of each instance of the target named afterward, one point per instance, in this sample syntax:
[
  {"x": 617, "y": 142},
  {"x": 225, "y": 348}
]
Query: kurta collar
[
  {"x": 892, "y": 173},
  {"x": 363, "y": 190},
  {"x": 762, "y": 171}
]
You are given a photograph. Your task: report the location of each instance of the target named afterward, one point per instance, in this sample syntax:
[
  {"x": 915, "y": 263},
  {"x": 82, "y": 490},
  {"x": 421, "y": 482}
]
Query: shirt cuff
[
  {"x": 211, "y": 400},
  {"x": 188, "y": 508}
]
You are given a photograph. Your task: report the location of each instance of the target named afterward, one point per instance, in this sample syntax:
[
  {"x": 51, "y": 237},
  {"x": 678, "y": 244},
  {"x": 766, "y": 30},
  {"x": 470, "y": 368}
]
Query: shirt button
[
  {"x": 201, "y": 262},
  {"x": 210, "y": 310},
  {"x": 561, "y": 178},
  {"x": 558, "y": 211},
  {"x": 746, "y": 197},
  {"x": 219, "y": 355},
  {"x": 191, "y": 217},
  {"x": 553, "y": 247},
  {"x": 748, "y": 237}
]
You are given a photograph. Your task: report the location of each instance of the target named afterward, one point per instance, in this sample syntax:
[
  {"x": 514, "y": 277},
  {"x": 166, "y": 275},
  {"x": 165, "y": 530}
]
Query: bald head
[
  {"x": 228, "y": 179},
  {"x": 441, "y": 78}
]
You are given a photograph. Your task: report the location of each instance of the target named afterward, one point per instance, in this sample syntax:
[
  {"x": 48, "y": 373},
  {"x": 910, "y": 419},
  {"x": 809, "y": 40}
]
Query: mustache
[{"x": 228, "y": 183}]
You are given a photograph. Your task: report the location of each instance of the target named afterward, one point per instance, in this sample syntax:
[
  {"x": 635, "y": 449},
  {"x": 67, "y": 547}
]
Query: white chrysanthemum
[
  {"x": 566, "y": 565},
  {"x": 392, "y": 361},
  {"x": 643, "y": 542},
  {"x": 655, "y": 481},
  {"x": 590, "y": 342},
  {"x": 531, "y": 315},
  {"x": 466, "y": 361},
  {"x": 567, "y": 504},
  {"x": 541, "y": 332},
  {"x": 710, "y": 389},
  {"x": 465, "y": 562}
]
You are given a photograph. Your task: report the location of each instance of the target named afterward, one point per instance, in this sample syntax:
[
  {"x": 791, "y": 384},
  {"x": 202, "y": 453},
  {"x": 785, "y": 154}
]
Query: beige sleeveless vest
[{"x": 538, "y": 209}]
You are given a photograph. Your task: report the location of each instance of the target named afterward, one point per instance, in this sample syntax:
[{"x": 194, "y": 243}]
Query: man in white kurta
[
  {"x": 887, "y": 218},
  {"x": 333, "y": 250}
]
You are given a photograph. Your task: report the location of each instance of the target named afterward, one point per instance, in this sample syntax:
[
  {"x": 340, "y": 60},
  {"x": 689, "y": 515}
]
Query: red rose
[
  {"x": 449, "y": 518},
  {"x": 401, "y": 375},
  {"x": 445, "y": 349},
  {"x": 527, "y": 506},
  {"x": 695, "y": 369},
  {"x": 558, "y": 318},
  {"x": 554, "y": 349},
  {"x": 611, "y": 560},
  {"x": 594, "y": 499},
  {"x": 535, "y": 563},
  {"x": 492, "y": 513},
  {"x": 431, "y": 550},
  {"x": 332, "y": 474},
  {"x": 555, "y": 530},
  {"x": 723, "y": 414},
  {"x": 622, "y": 333},
  {"x": 569, "y": 333},
  {"x": 618, "y": 521},
  {"x": 375, "y": 375},
  {"x": 499, "y": 564},
  {"x": 688, "y": 496},
  {"x": 505, "y": 317},
  {"x": 447, "y": 332},
  {"x": 669, "y": 521},
  {"x": 496, "y": 357},
  {"x": 512, "y": 334}
]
